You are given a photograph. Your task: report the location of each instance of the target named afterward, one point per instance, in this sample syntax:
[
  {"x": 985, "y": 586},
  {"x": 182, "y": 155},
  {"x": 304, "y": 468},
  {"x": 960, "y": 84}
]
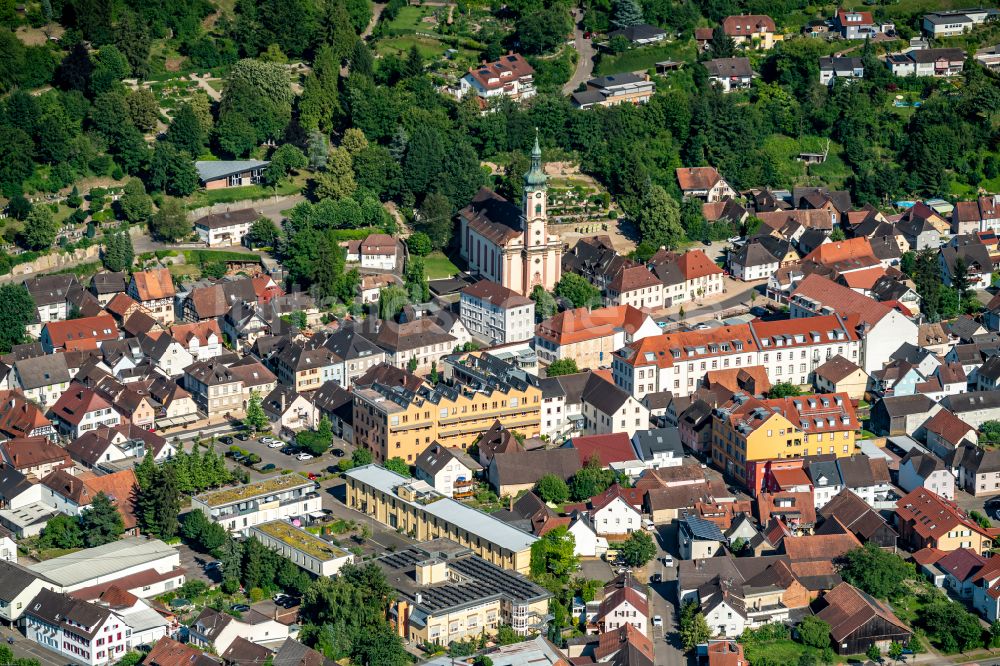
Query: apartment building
[
  {"x": 447, "y": 593},
  {"x": 241, "y": 507},
  {"x": 215, "y": 388},
  {"x": 394, "y": 421},
  {"x": 747, "y": 430},
  {"x": 496, "y": 314},
  {"x": 317, "y": 556},
  {"x": 927, "y": 520},
  {"x": 635, "y": 286},
  {"x": 511, "y": 76},
  {"x": 590, "y": 337},
  {"x": 689, "y": 276},
  {"x": 792, "y": 350},
  {"x": 82, "y": 631},
  {"x": 415, "y": 508}
]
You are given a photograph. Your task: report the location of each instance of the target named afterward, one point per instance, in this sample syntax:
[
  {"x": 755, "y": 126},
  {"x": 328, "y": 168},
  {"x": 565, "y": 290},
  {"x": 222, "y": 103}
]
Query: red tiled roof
[
  {"x": 795, "y": 509},
  {"x": 76, "y": 402},
  {"x": 18, "y": 416},
  {"x": 928, "y": 556},
  {"x": 852, "y": 248},
  {"x": 500, "y": 72},
  {"x": 697, "y": 178},
  {"x": 620, "y": 596},
  {"x": 134, "y": 581},
  {"x": 582, "y": 324},
  {"x": 863, "y": 279},
  {"x": 949, "y": 427},
  {"x": 153, "y": 284},
  {"x": 747, "y": 25},
  {"x": 632, "y": 496},
  {"x": 841, "y": 299},
  {"x": 616, "y": 447},
  {"x": 788, "y": 478},
  {"x": 632, "y": 278},
  {"x": 865, "y": 18},
  {"x": 27, "y": 452},
  {"x": 689, "y": 345},
  {"x": 847, "y": 610},
  {"x": 695, "y": 264},
  {"x": 82, "y": 333},
  {"x": 961, "y": 563},
  {"x": 932, "y": 516}
]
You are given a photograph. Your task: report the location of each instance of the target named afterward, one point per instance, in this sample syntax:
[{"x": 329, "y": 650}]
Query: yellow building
[
  {"x": 418, "y": 510},
  {"x": 746, "y": 430},
  {"x": 391, "y": 421},
  {"x": 446, "y": 593}
]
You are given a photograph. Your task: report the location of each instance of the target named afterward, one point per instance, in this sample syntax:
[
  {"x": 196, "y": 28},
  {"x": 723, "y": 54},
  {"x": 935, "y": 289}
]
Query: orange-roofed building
[
  {"x": 747, "y": 430},
  {"x": 80, "y": 409},
  {"x": 792, "y": 349},
  {"x": 154, "y": 290},
  {"x": 927, "y": 520},
  {"x": 845, "y": 256},
  {"x": 19, "y": 417},
  {"x": 752, "y": 380},
  {"x": 881, "y": 327},
  {"x": 590, "y": 337},
  {"x": 203, "y": 340},
  {"x": 704, "y": 183},
  {"x": 82, "y": 334},
  {"x": 689, "y": 276},
  {"x": 862, "y": 280},
  {"x": 725, "y": 653}
]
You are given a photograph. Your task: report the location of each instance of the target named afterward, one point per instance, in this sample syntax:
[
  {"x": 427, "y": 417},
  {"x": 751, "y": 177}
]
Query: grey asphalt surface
[
  {"x": 586, "y": 51},
  {"x": 24, "y": 648}
]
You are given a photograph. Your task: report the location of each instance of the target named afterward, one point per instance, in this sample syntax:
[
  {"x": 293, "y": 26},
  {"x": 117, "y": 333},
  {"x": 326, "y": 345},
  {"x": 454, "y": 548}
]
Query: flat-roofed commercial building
[
  {"x": 417, "y": 509},
  {"x": 241, "y": 507},
  {"x": 447, "y": 593},
  {"x": 304, "y": 549}
]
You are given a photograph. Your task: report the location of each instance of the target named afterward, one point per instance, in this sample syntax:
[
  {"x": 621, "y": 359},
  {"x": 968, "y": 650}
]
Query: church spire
[{"x": 535, "y": 176}]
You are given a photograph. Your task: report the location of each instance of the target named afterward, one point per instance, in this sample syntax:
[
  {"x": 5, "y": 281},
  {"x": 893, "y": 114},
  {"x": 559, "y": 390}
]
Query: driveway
[{"x": 585, "y": 51}]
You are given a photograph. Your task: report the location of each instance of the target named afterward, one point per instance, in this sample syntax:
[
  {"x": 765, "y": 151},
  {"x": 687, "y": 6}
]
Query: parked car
[
  {"x": 337, "y": 453},
  {"x": 288, "y": 602},
  {"x": 266, "y": 440},
  {"x": 668, "y": 561},
  {"x": 288, "y": 450},
  {"x": 243, "y": 436},
  {"x": 313, "y": 476},
  {"x": 333, "y": 469},
  {"x": 243, "y": 608},
  {"x": 275, "y": 444},
  {"x": 657, "y": 578},
  {"x": 268, "y": 467},
  {"x": 213, "y": 566},
  {"x": 657, "y": 621},
  {"x": 304, "y": 456},
  {"x": 226, "y": 439}
]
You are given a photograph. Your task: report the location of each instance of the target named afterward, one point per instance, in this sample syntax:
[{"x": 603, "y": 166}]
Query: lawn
[
  {"x": 411, "y": 19},
  {"x": 781, "y": 651},
  {"x": 439, "y": 266},
  {"x": 641, "y": 59},
  {"x": 203, "y": 198},
  {"x": 429, "y": 48}
]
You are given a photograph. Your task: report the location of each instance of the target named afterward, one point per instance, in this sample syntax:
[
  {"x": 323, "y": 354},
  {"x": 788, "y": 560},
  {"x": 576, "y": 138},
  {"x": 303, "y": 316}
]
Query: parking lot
[{"x": 282, "y": 461}]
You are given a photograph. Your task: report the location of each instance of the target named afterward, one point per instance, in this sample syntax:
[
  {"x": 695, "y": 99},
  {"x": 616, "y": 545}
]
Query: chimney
[
  {"x": 282, "y": 402},
  {"x": 510, "y": 503}
]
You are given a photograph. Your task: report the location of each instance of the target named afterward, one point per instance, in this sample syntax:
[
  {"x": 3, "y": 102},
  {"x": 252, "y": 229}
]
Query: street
[
  {"x": 585, "y": 53},
  {"x": 26, "y": 649},
  {"x": 667, "y": 650}
]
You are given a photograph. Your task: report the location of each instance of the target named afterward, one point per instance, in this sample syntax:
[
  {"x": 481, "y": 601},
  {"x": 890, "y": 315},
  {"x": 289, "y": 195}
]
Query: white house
[
  {"x": 80, "y": 410},
  {"x": 660, "y": 447},
  {"x": 496, "y": 314},
  {"x": 217, "y": 630},
  {"x": 228, "y": 228},
  {"x": 623, "y": 605},
  {"x": 918, "y": 469},
  {"x": 612, "y": 514},
  {"x": 242, "y": 507},
  {"x": 608, "y": 409},
  {"x": 586, "y": 541},
  {"x": 166, "y": 354},
  {"x": 84, "y": 632},
  {"x": 450, "y": 471},
  {"x": 18, "y": 586},
  {"x": 202, "y": 340},
  {"x": 377, "y": 252},
  {"x": 511, "y": 76}
]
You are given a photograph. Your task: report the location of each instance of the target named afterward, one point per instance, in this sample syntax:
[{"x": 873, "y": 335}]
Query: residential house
[
  {"x": 42, "y": 379},
  {"x": 608, "y": 409},
  {"x": 927, "y": 62},
  {"x": 986, "y": 590},
  {"x": 860, "y": 519},
  {"x": 840, "y": 375},
  {"x": 105, "y": 285},
  {"x": 85, "y": 333},
  {"x": 868, "y": 478},
  {"x": 729, "y": 74},
  {"x": 81, "y": 631},
  {"x": 977, "y": 261},
  {"x": 704, "y": 183},
  {"x": 511, "y": 76},
  {"x": 219, "y": 174},
  {"x": 34, "y": 457},
  {"x": 754, "y": 260},
  {"x": 226, "y": 228},
  {"x": 21, "y": 418},
  {"x": 944, "y": 433},
  {"x": 217, "y": 630},
  {"x": 754, "y": 30},
  {"x": 111, "y": 445},
  {"x": 918, "y": 469},
  {"x": 832, "y": 68},
  {"x": 614, "y": 89},
  {"x": 624, "y": 605},
  {"x": 450, "y": 471},
  {"x": 794, "y": 508},
  {"x": 154, "y": 291},
  {"x": 590, "y": 337},
  {"x": 72, "y": 494},
  {"x": 372, "y": 285},
  {"x": 202, "y": 340},
  {"x": 635, "y": 286},
  {"x": 512, "y": 473},
  {"x": 901, "y": 415},
  {"x": 689, "y": 276},
  {"x": 80, "y": 409},
  {"x": 289, "y": 410},
  {"x": 858, "y": 621},
  {"x": 18, "y": 586},
  {"x": 975, "y": 408},
  {"x": 640, "y": 34},
  {"x": 926, "y": 520},
  {"x": 49, "y": 293},
  {"x": 978, "y": 470},
  {"x": 854, "y": 24},
  {"x": 659, "y": 447},
  {"x": 698, "y": 538},
  {"x": 215, "y": 388},
  {"x": 375, "y": 252},
  {"x": 495, "y": 314}
]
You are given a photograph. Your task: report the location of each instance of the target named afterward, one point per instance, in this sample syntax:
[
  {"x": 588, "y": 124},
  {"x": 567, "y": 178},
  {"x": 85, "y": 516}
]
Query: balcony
[{"x": 463, "y": 489}]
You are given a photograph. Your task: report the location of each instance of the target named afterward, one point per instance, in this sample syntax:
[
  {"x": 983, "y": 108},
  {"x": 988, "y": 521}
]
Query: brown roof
[
  {"x": 120, "y": 488},
  {"x": 496, "y": 74},
  {"x": 794, "y": 508},
  {"x": 632, "y": 278},
  {"x": 610, "y": 642},
  {"x": 854, "y": 514},
  {"x": 153, "y": 284},
  {"x": 120, "y": 305},
  {"x": 389, "y": 375},
  {"x": 27, "y": 452},
  {"x": 381, "y": 244},
  {"x": 230, "y": 218},
  {"x": 201, "y": 331},
  {"x": 697, "y": 178},
  {"x": 695, "y": 264},
  {"x": 747, "y": 25},
  {"x": 837, "y": 369},
  {"x": 620, "y": 596},
  {"x": 948, "y": 427},
  {"x": 526, "y": 467},
  {"x": 497, "y": 294},
  {"x": 819, "y": 547},
  {"x": 847, "y": 609},
  {"x": 135, "y": 581},
  {"x": 493, "y": 217},
  {"x": 932, "y": 516},
  {"x": 841, "y": 299},
  {"x": 581, "y": 324},
  {"x": 76, "y": 402},
  {"x": 18, "y": 416},
  {"x": 753, "y": 379},
  {"x": 726, "y": 653},
  {"x": 168, "y": 652}
]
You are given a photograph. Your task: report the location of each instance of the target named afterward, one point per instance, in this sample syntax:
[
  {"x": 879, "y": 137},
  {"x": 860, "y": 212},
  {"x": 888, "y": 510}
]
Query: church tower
[
  {"x": 540, "y": 253},
  {"x": 534, "y": 208}
]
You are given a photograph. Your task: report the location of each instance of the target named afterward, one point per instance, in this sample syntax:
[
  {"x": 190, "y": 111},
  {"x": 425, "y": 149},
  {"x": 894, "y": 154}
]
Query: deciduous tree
[{"x": 170, "y": 222}]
